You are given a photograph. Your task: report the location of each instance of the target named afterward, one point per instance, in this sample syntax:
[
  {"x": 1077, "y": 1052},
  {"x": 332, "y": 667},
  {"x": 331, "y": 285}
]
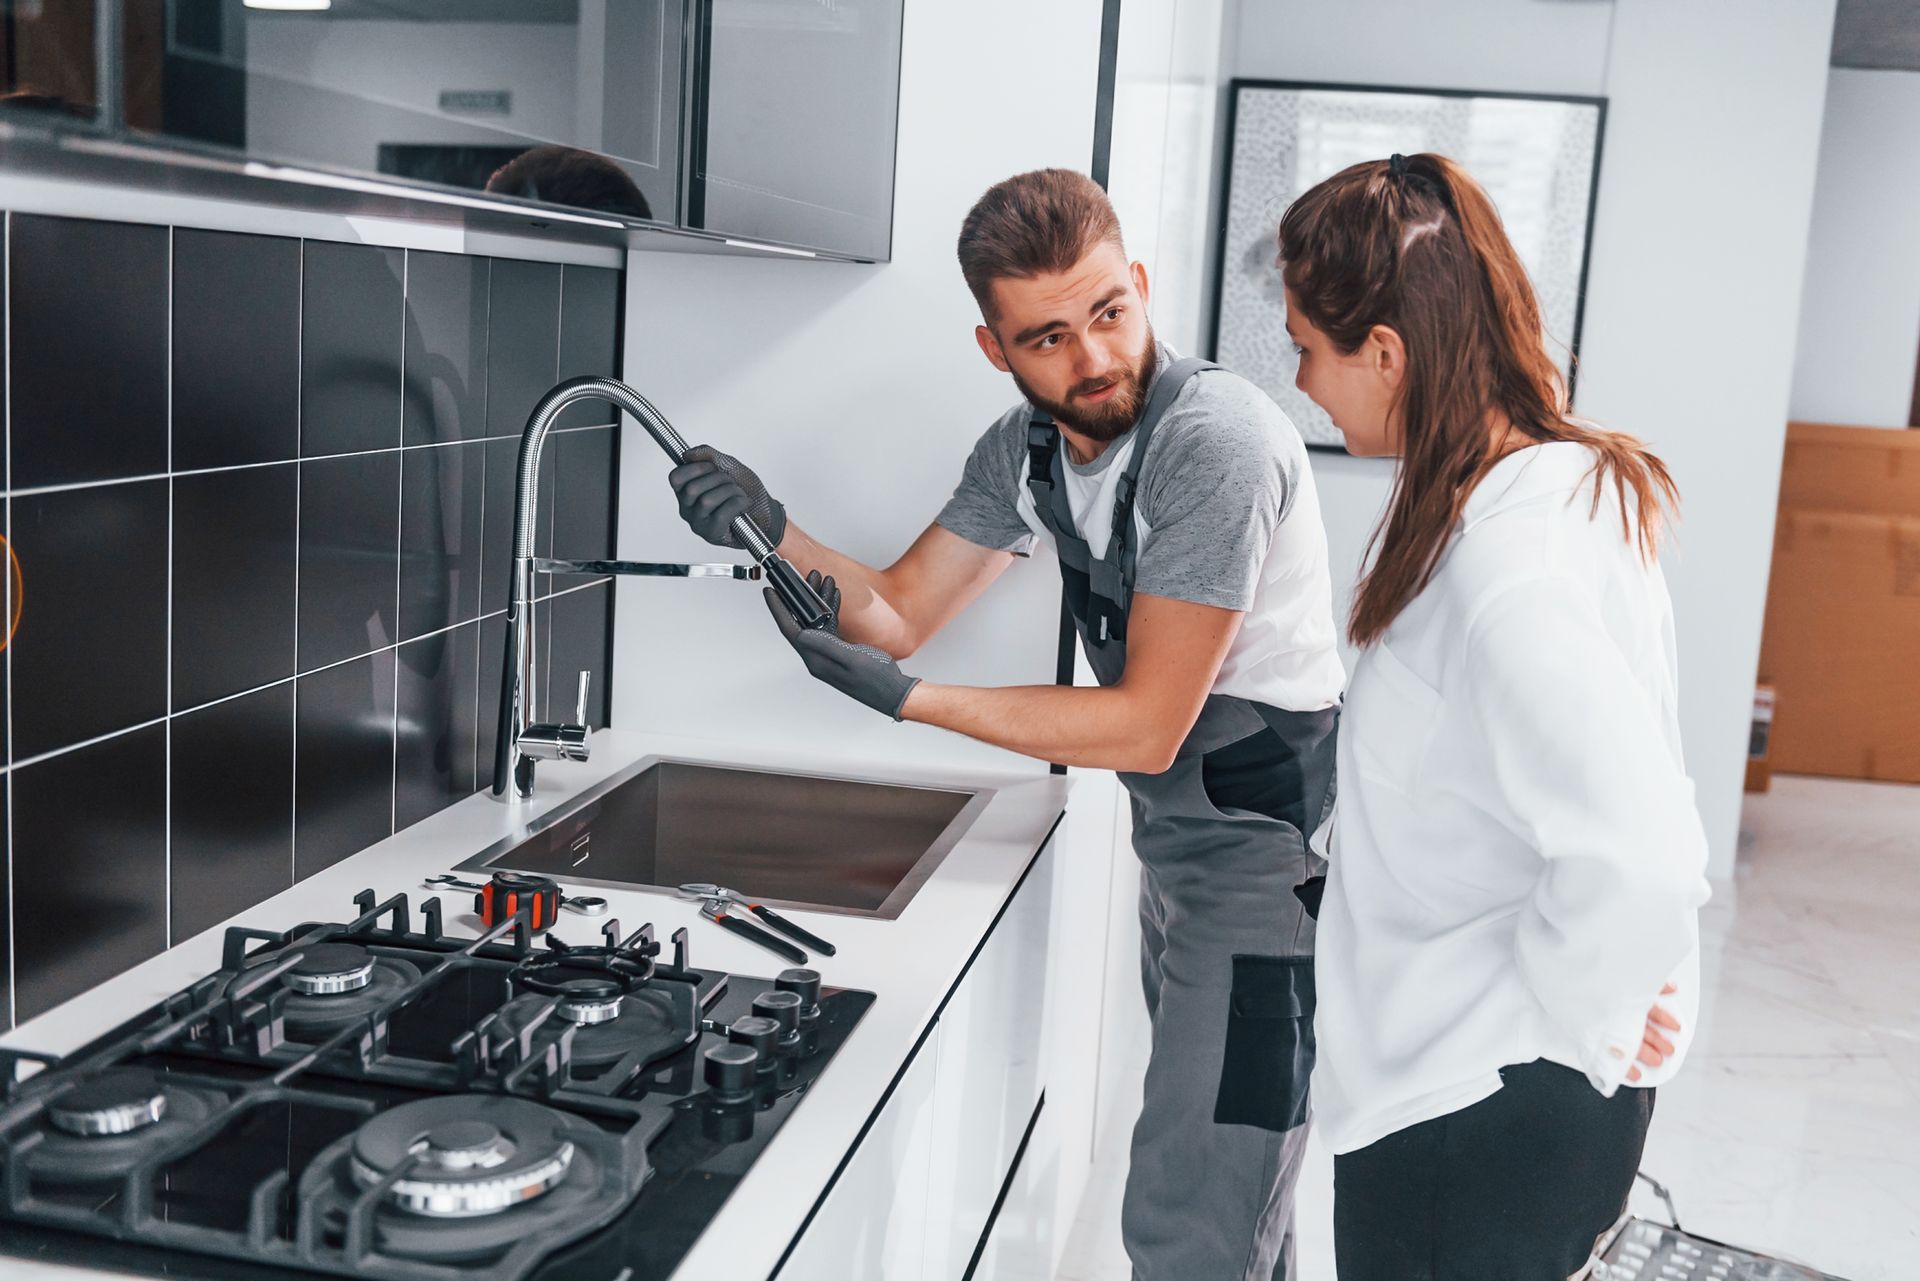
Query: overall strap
[
  {"x": 1100, "y": 589},
  {"x": 1049, "y": 490},
  {"x": 1113, "y": 576}
]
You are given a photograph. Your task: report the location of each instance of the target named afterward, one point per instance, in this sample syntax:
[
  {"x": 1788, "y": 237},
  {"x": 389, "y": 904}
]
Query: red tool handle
[{"x": 504, "y": 894}]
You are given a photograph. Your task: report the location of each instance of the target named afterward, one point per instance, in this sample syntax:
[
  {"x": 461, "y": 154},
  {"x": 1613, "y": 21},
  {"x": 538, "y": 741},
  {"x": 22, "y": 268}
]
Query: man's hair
[
  {"x": 1030, "y": 225},
  {"x": 570, "y": 176}
]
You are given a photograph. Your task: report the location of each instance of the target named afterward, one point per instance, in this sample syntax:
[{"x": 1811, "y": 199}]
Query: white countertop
[{"x": 910, "y": 963}]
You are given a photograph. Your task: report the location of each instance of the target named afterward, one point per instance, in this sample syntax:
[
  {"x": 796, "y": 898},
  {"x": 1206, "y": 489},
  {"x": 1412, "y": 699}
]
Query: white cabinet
[
  {"x": 991, "y": 1036},
  {"x": 872, "y": 1226},
  {"x": 920, "y": 1191}
]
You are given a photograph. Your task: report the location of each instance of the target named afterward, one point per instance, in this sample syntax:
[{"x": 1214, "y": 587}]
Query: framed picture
[{"x": 1538, "y": 156}]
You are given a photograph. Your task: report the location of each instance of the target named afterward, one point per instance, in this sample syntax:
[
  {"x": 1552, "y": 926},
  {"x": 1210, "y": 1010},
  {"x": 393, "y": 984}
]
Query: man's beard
[{"x": 1111, "y": 418}]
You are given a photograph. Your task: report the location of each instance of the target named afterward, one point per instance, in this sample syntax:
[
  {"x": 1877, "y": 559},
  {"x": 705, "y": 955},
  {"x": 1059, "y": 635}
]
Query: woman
[{"x": 1507, "y": 943}]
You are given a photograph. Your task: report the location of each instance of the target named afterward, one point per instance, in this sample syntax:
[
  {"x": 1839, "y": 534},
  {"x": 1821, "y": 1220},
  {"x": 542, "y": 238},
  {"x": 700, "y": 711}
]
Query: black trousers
[{"x": 1514, "y": 1188}]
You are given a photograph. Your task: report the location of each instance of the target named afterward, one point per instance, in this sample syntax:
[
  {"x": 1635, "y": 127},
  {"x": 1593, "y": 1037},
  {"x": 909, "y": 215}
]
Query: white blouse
[{"x": 1516, "y": 862}]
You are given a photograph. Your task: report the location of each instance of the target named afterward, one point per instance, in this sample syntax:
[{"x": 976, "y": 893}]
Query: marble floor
[{"x": 1795, "y": 1128}]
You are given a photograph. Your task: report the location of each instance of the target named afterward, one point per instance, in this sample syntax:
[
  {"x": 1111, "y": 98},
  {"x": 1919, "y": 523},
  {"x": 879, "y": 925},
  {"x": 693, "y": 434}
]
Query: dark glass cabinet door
[
  {"x": 793, "y": 109},
  {"x": 569, "y": 102}
]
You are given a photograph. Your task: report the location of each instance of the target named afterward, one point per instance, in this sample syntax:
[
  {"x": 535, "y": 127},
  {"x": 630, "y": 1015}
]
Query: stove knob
[
  {"x": 760, "y": 1033},
  {"x": 806, "y": 985},
  {"x": 730, "y": 1071},
  {"x": 783, "y": 1008}
]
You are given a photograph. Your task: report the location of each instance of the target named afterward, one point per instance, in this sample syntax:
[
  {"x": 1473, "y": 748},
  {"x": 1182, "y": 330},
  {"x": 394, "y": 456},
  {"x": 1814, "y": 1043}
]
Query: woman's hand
[{"x": 1654, "y": 1046}]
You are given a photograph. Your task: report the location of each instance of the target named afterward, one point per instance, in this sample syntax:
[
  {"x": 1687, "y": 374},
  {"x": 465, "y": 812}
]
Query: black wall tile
[
  {"x": 583, "y": 498},
  {"x": 91, "y": 653},
  {"x": 446, "y": 340},
  {"x": 278, "y": 350},
  {"x": 589, "y": 336},
  {"x": 12, "y": 603},
  {"x": 89, "y": 350},
  {"x": 232, "y": 808},
  {"x": 438, "y": 704},
  {"x": 441, "y": 492},
  {"x": 493, "y": 659},
  {"x": 343, "y": 762},
  {"x": 89, "y": 866},
  {"x": 7, "y": 1015},
  {"x": 234, "y": 550},
  {"x": 236, "y": 349},
  {"x": 574, "y": 630},
  {"x": 523, "y": 341},
  {"x": 349, "y": 556},
  {"x": 350, "y": 348},
  {"x": 6, "y": 224}
]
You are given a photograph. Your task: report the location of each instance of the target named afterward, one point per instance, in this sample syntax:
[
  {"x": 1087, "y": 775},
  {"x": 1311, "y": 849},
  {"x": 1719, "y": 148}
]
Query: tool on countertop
[
  {"x": 702, "y": 889},
  {"x": 500, "y": 898},
  {"x": 715, "y": 900}
]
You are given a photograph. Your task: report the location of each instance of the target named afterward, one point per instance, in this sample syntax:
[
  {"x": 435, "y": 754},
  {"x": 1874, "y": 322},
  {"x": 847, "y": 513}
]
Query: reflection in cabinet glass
[
  {"x": 792, "y": 120},
  {"x": 769, "y": 124},
  {"x": 568, "y": 102}
]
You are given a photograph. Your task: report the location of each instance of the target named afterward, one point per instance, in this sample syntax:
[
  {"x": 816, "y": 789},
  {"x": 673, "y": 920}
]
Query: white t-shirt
[
  {"x": 1226, "y": 515},
  {"x": 1516, "y": 863}
]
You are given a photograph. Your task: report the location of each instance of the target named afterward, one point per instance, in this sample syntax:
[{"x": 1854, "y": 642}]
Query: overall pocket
[{"x": 1269, "y": 1054}]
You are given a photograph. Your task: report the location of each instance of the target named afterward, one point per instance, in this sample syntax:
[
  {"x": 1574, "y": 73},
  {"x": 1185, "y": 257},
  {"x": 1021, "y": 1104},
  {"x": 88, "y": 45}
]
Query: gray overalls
[{"x": 1226, "y": 946}]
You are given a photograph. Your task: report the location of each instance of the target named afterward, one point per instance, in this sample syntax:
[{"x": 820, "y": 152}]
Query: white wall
[
  {"x": 1705, "y": 190},
  {"x": 857, "y": 392},
  {"x": 1525, "y": 46},
  {"x": 1860, "y": 313}
]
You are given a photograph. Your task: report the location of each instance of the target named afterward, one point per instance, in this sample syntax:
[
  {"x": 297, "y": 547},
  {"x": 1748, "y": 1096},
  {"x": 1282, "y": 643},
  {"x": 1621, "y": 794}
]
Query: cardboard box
[
  {"x": 1862, "y": 470},
  {"x": 1841, "y": 647}
]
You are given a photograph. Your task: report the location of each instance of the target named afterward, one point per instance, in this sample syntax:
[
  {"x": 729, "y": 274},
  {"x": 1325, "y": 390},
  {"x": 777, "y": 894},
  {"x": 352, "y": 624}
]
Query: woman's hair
[{"x": 1416, "y": 245}]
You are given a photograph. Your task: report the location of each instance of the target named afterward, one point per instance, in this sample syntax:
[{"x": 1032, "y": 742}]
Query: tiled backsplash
[{"x": 260, "y": 491}]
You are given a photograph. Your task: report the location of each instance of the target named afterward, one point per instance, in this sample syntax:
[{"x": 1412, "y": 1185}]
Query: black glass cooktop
[{"x": 371, "y": 1099}]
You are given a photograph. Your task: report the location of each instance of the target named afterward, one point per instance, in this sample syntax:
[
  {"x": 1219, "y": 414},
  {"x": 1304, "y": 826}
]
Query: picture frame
[{"x": 1538, "y": 155}]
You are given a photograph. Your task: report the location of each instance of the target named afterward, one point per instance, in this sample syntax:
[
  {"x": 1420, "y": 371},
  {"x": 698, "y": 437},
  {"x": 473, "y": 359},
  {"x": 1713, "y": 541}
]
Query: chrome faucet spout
[{"x": 523, "y": 740}]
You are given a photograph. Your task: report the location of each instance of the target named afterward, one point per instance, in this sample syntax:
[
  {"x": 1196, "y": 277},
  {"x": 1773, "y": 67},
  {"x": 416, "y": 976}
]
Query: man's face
[{"x": 1077, "y": 342}]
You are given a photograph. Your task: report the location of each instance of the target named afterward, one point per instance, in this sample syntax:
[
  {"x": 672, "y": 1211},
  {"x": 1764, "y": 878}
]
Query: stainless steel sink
[{"x": 828, "y": 843}]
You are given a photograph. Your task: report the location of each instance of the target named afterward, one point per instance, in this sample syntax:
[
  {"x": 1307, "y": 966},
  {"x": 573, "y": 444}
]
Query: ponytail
[{"x": 1415, "y": 244}]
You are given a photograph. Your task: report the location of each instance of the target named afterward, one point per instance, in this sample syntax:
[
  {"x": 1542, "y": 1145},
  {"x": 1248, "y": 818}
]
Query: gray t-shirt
[{"x": 1227, "y": 516}]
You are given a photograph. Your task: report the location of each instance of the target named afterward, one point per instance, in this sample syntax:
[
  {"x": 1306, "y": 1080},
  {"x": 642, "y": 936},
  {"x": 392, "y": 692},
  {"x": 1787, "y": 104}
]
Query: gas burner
[
  {"x": 119, "y": 1101},
  {"x": 650, "y": 1022},
  {"x": 613, "y": 1000},
  {"x": 464, "y": 1176},
  {"x": 476, "y": 1156},
  {"x": 337, "y": 984},
  {"x": 329, "y": 969},
  {"x": 107, "y": 1124}
]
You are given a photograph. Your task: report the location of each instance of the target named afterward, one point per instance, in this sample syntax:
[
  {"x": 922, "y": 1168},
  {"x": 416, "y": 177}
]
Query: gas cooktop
[{"x": 369, "y": 1099}]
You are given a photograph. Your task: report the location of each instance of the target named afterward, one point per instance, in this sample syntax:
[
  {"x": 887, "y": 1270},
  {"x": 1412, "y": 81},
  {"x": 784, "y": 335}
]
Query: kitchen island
[{"x": 896, "y": 1159}]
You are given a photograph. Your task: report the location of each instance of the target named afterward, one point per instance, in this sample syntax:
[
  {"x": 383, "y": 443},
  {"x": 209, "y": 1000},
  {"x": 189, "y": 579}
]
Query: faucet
[{"x": 523, "y": 740}]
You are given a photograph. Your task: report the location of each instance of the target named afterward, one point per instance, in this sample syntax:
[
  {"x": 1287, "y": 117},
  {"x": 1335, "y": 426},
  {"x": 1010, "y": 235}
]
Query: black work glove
[
  {"x": 713, "y": 488},
  {"x": 861, "y": 672}
]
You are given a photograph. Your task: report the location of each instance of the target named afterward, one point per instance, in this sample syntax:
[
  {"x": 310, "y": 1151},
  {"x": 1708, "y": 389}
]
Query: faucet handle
[{"x": 580, "y": 700}]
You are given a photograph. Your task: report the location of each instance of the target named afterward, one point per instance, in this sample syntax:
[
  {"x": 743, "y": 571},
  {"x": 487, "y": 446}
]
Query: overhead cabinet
[
  {"x": 792, "y": 117},
  {"x": 767, "y": 121}
]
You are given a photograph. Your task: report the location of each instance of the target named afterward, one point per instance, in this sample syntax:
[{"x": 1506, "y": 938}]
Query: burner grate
[
  {"x": 239, "y": 1016},
  {"x": 229, "y": 1122}
]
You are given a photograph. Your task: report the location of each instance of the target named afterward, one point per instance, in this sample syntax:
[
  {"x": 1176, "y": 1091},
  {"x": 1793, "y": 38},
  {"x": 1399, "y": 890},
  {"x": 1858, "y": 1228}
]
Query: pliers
[{"x": 716, "y": 899}]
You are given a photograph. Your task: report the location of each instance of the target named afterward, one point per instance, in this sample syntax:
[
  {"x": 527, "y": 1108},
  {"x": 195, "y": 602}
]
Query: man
[{"x": 1195, "y": 566}]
